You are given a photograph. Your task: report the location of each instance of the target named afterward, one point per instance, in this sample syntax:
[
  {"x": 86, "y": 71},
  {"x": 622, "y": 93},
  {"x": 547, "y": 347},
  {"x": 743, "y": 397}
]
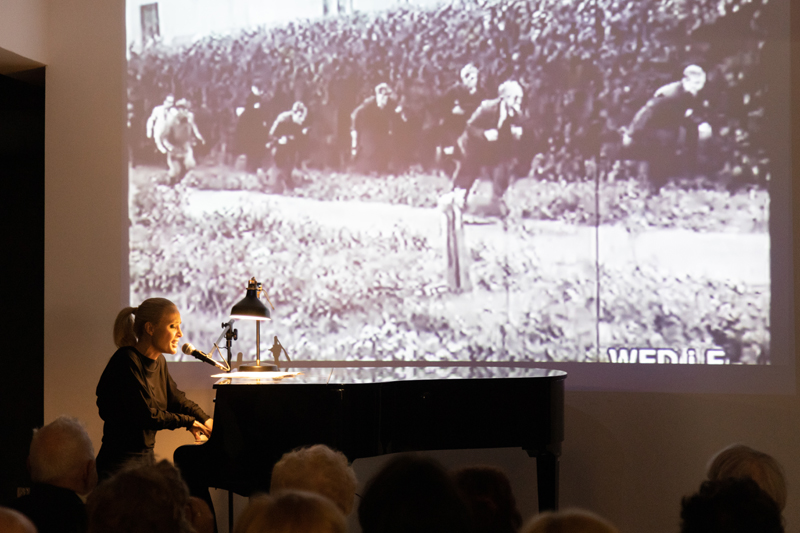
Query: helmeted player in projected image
[
  {"x": 490, "y": 141},
  {"x": 667, "y": 131},
  {"x": 287, "y": 135},
  {"x": 180, "y": 134}
]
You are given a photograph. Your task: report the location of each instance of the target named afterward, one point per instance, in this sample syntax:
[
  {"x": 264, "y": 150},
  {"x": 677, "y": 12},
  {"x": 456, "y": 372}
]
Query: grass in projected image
[
  {"x": 608, "y": 227},
  {"x": 351, "y": 279}
]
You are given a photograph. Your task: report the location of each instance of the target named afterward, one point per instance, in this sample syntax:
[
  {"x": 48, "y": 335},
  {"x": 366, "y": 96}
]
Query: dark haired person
[
  {"x": 413, "y": 493},
  {"x": 487, "y": 492},
  {"x": 733, "y": 505},
  {"x": 136, "y": 395},
  {"x": 147, "y": 497},
  {"x": 374, "y": 124},
  {"x": 454, "y": 109}
]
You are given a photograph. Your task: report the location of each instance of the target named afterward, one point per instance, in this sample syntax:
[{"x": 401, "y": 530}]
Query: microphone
[{"x": 188, "y": 349}]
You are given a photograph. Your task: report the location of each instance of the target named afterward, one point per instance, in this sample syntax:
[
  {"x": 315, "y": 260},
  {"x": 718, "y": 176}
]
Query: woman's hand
[{"x": 200, "y": 431}]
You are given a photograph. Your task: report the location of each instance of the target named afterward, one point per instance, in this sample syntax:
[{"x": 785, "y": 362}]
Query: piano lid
[{"x": 356, "y": 375}]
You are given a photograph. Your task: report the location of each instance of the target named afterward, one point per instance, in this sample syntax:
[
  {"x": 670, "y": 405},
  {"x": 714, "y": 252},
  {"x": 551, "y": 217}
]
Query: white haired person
[
  {"x": 491, "y": 141},
  {"x": 62, "y": 468},
  {"x": 318, "y": 469},
  {"x": 666, "y": 130},
  {"x": 136, "y": 395}
]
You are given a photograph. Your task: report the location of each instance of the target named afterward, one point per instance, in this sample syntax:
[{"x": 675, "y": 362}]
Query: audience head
[
  {"x": 12, "y": 521},
  {"x": 143, "y": 497},
  {"x": 291, "y": 511},
  {"x": 317, "y": 469},
  {"x": 739, "y": 460},
  {"x": 487, "y": 493},
  {"x": 130, "y": 323},
  {"x": 733, "y": 505},
  {"x": 412, "y": 493},
  {"x": 568, "y": 521},
  {"x": 62, "y": 454}
]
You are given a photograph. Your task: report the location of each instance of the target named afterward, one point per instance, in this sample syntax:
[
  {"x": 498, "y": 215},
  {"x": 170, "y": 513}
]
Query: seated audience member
[
  {"x": 568, "y": 521},
  {"x": 147, "y": 497},
  {"x": 317, "y": 469},
  {"x": 733, "y": 505},
  {"x": 12, "y": 521},
  {"x": 291, "y": 511},
  {"x": 412, "y": 493},
  {"x": 61, "y": 463},
  {"x": 739, "y": 460},
  {"x": 487, "y": 492}
]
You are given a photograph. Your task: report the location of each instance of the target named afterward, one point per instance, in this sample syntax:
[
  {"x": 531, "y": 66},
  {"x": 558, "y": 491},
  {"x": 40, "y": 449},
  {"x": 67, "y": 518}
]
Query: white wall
[
  {"x": 23, "y": 28},
  {"x": 628, "y": 456}
]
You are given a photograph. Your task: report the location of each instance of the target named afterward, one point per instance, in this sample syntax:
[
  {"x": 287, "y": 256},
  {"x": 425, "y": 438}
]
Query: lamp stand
[{"x": 258, "y": 367}]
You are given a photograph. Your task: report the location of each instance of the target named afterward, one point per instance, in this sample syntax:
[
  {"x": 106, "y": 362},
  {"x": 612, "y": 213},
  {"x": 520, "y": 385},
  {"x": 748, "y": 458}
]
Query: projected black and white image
[{"x": 489, "y": 181}]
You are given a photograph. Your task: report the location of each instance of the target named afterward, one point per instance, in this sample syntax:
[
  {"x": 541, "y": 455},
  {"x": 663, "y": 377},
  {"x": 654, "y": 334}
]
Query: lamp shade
[{"x": 250, "y": 307}]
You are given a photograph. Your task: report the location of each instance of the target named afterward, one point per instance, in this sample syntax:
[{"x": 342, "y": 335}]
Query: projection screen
[{"x": 612, "y": 197}]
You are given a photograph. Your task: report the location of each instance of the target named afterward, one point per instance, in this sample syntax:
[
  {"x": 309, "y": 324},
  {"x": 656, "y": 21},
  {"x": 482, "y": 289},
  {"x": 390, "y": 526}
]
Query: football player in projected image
[
  {"x": 666, "y": 131},
  {"x": 287, "y": 137},
  {"x": 180, "y": 134},
  {"x": 158, "y": 121},
  {"x": 453, "y": 110},
  {"x": 371, "y": 133},
  {"x": 490, "y": 141}
]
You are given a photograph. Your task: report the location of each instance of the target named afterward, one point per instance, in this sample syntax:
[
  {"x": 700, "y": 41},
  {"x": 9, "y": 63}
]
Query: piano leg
[
  {"x": 188, "y": 460},
  {"x": 547, "y": 481}
]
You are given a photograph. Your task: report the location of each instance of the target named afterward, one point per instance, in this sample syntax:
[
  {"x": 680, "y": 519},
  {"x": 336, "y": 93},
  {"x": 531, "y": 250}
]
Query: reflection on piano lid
[{"x": 369, "y": 411}]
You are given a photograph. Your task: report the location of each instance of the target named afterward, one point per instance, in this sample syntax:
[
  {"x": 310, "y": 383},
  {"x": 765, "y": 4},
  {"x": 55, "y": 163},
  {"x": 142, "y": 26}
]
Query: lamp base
[{"x": 258, "y": 368}]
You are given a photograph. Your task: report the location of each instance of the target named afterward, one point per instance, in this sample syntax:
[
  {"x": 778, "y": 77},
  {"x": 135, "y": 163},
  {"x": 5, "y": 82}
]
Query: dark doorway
[{"x": 22, "y": 275}]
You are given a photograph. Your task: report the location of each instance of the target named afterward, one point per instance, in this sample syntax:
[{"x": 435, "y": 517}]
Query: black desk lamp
[{"x": 251, "y": 308}]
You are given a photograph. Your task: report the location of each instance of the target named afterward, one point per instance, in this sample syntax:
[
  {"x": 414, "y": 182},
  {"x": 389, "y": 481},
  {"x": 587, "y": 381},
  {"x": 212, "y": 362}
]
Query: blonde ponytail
[{"x": 123, "y": 328}]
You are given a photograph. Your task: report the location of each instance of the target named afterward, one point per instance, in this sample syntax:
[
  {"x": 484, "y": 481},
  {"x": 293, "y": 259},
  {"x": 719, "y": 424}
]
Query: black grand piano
[{"x": 365, "y": 412}]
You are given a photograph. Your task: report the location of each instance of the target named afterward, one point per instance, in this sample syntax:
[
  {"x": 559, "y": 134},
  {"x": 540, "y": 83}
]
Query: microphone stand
[{"x": 230, "y": 335}]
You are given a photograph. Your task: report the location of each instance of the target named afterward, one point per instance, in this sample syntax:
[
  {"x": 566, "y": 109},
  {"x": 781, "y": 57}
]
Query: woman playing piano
[{"x": 136, "y": 395}]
